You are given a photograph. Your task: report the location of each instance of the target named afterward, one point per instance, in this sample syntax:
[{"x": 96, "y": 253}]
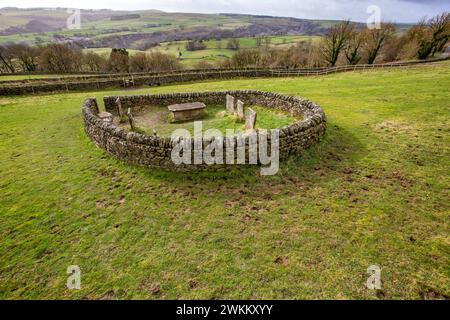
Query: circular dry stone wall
[{"x": 156, "y": 152}]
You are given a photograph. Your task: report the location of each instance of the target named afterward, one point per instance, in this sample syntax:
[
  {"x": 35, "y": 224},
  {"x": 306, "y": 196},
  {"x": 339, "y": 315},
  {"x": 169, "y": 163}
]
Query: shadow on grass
[{"x": 338, "y": 149}]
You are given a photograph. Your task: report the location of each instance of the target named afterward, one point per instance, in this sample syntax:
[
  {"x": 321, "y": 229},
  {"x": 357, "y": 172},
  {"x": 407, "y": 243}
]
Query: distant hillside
[{"x": 143, "y": 29}]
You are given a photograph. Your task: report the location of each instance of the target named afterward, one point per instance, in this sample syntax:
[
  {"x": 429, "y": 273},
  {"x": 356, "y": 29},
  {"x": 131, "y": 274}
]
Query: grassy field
[
  {"x": 99, "y": 25},
  {"x": 374, "y": 191},
  {"x": 103, "y": 26},
  {"x": 216, "y": 50}
]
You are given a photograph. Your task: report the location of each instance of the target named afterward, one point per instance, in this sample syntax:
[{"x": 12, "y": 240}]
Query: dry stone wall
[
  {"x": 155, "y": 152},
  {"x": 93, "y": 82}
]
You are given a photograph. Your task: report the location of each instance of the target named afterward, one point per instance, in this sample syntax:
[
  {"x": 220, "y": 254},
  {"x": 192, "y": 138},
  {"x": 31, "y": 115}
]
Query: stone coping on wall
[{"x": 155, "y": 152}]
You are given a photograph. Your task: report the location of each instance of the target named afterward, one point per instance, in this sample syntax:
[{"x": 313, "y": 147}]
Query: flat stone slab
[
  {"x": 186, "y": 106},
  {"x": 106, "y": 116},
  {"x": 187, "y": 111}
]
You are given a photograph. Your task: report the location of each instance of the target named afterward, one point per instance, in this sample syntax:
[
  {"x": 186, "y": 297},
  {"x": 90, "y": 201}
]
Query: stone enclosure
[{"x": 155, "y": 152}]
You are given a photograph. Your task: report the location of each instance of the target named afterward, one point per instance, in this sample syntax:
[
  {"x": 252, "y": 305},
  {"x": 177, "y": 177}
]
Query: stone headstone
[
  {"x": 250, "y": 119},
  {"x": 240, "y": 110},
  {"x": 106, "y": 117},
  {"x": 230, "y": 104},
  {"x": 120, "y": 111},
  {"x": 131, "y": 119}
]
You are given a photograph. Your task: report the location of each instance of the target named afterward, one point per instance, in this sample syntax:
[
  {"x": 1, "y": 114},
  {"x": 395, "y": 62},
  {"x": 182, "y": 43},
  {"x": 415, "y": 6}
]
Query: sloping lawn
[{"x": 375, "y": 191}]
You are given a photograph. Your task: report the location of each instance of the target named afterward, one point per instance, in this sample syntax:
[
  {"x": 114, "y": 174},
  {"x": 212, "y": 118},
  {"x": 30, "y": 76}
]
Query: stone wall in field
[
  {"x": 153, "y": 151},
  {"x": 103, "y": 81}
]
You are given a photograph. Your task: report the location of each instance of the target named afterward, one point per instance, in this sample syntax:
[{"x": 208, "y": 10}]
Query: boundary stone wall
[
  {"x": 94, "y": 82},
  {"x": 155, "y": 152}
]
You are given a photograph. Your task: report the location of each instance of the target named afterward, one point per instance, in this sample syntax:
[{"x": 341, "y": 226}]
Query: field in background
[
  {"x": 216, "y": 50},
  {"x": 102, "y": 26},
  {"x": 374, "y": 191},
  {"x": 46, "y": 26}
]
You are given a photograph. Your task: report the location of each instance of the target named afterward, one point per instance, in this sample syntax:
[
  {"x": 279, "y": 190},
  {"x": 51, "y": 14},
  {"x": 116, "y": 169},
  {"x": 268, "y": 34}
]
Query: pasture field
[
  {"x": 216, "y": 50},
  {"x": 374, "y": 192},
  {"x": 101, "y": 25}
]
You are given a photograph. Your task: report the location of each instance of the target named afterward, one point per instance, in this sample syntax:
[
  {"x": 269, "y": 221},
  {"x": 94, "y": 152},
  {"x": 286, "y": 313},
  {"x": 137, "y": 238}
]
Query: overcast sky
[{"x": 391, "y": 10}]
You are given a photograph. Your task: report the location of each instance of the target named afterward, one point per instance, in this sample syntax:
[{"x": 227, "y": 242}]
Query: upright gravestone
[
  {"x": 131, "y": 119},
  {"x": 250, "y": 120},
  {"x": 122, "y": 115},
  {"x": 230, "y": 104},
  {"x": 240, "y": 110}
]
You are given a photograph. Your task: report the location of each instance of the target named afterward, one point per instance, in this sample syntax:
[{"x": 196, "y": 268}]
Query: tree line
[
  {"x": 61, "y": 58},
  {"x": 345, "y": 43}
]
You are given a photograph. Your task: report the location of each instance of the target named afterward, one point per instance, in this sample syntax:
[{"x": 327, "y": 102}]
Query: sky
[{"x": 356, "y": 10}]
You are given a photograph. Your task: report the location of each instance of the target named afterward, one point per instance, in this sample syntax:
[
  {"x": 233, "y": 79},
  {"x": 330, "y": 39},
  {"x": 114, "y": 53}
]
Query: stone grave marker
[
  {"x": 120, "y": 111},
  {"x": 131, "y": 119},
  {"x": 230, "y": 104},
  {"x": 240, "y": 110},
  {"x": 250, "y": 120}
]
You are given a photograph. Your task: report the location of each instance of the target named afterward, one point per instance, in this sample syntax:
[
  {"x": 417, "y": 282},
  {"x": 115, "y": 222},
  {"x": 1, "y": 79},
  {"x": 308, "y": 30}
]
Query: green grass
[
  {"x": 216, "y": 50},
  {"x": 25, "y": 77},
  {"x": 374, "y": 191}
]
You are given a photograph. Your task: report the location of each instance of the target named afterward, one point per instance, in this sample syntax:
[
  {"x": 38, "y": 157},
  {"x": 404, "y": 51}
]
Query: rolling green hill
[{"x": 141, "y": 29}]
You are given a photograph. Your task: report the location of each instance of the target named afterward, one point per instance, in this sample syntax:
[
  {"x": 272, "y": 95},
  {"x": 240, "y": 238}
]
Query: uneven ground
[{"x": 374, "y": 191}]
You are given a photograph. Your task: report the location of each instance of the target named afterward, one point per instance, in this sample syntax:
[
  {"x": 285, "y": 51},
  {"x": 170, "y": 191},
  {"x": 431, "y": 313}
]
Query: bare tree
[
  {"x": 6, "y": 59},
  {"x": 233, "y": 44},
  {"x": 432, "y": 35},
  {"x": 375, "y": 39},
  {"x": 246, "y": 58},
  {"x": 195, "y": 45},
  {"x": 27, "y": 56},
  {"x": 139, "y": 62},
  {"x": 58, "y": 58},
  {"x": 335, "y": 41},
  {"x": 154, "y": 62},
  {"x": 202, "y": 64},
  {"x": 94, "y": 62},
  {"x": 119, "y": 60},
  {"x": 353, "y": 47}
]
